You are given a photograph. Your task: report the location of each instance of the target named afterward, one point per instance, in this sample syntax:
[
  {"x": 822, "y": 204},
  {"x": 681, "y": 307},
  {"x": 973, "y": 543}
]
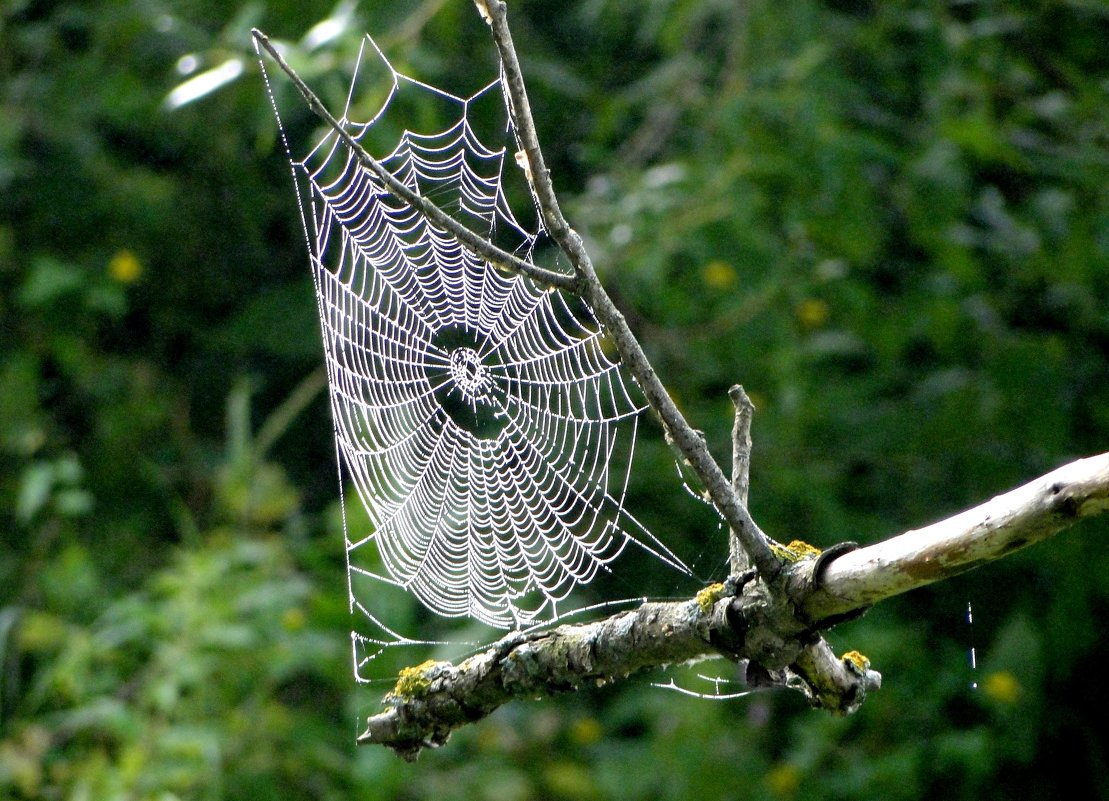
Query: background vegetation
[{"x": 889, "y": 221}]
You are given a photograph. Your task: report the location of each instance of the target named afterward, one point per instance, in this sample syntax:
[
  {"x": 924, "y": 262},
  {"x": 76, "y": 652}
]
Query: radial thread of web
[{"x": 476, "y": 414}]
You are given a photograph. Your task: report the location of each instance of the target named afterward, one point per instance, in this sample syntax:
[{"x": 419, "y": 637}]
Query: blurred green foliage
[{"x": 889, "y": 221}]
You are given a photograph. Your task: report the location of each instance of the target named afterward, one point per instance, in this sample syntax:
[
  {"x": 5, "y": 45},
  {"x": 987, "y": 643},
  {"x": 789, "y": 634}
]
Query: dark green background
[{"x": 889, "y": 221}]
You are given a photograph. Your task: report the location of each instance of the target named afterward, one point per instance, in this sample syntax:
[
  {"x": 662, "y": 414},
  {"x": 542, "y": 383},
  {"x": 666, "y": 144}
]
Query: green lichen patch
[{"x": 708, "y": 597}]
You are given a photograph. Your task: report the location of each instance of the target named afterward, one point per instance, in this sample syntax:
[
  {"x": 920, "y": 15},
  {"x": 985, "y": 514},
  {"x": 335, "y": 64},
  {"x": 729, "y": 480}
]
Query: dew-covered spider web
[{"x": 483, "y": 421}]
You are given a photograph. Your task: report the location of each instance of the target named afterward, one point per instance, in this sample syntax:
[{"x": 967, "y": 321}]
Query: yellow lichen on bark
[
  {"x": 794, "y": 551},
  {"x": 414, "y": 682},
  {"x": 708, "y": 597},
  {"x": 857, "y": 661}
]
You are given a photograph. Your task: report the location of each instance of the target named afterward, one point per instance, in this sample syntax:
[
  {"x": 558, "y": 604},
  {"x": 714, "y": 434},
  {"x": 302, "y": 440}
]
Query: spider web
[{"x": 477, "y": 415}]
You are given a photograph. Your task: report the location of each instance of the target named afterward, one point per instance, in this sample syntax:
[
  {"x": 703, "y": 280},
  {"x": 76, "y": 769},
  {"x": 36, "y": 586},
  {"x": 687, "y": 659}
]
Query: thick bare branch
[
  {"x": 1009, "y": 522},
  {"x": 738, "y": 623},
  {"x": 473, "y": 242}
]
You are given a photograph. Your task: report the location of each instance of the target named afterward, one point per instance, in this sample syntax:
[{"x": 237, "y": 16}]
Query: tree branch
[
  {"x": 741, "y": 468},
  {"x": 690, "y": 443},
  {"x": 771, "y": 616},
  {"x": 740, "y": 622},
  {"x": 495, "y": 13},
  {"x": 997, "y": 528},
  {"x": 432, "y": 700}
]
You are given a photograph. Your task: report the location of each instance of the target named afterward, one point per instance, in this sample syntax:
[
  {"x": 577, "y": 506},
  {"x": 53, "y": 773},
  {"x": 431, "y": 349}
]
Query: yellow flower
[
  {"x": 812, "y": 313},
  {"x": 1002, "y": 686},
  {"x": 293, "y": 619},
  {"x": 125, "y": 267},
  {"x": 585, "y": 731},
  {"x": 784, "y": 780},
  {"x": 719, "y": 275}
]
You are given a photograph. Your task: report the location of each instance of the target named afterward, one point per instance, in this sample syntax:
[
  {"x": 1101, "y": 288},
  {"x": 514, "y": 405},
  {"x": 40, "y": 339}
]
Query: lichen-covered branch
[
  {"x": 742, "y": 619},
  {"x": 433, "y": 699},
  {"x": 423, "y": 712}
]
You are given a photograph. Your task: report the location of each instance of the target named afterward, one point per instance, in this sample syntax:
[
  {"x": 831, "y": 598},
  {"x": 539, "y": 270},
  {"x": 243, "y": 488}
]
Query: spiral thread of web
[{"x": 476, "y": 414}]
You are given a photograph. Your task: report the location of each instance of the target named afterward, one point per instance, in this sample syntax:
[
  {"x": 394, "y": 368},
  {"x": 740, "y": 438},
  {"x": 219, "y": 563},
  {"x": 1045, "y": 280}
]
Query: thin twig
[
  {"x": 741, "y": 467},
  {"x": 283, "y": 416},
  {"x": 473, "y": 242},
  {"x": 689, "y": 442},
  {"x": 495, "y": 13}
]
